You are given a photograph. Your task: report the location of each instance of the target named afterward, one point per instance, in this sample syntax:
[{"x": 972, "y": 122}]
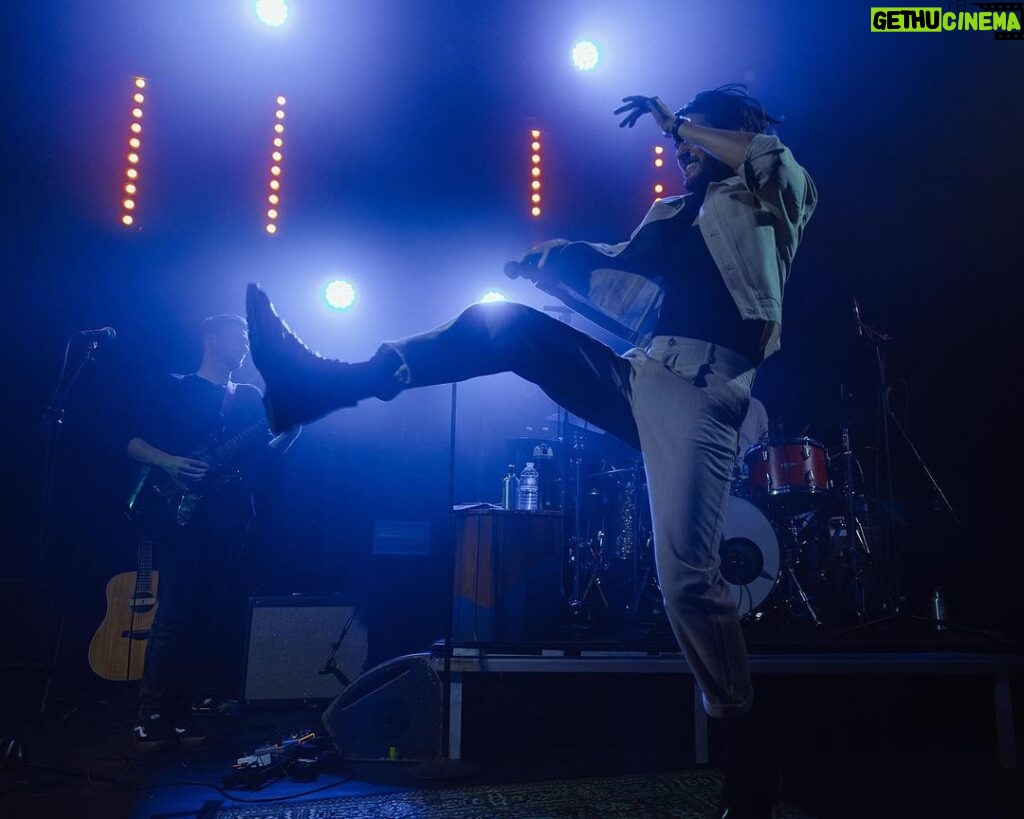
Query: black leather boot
[
  {"x": 302, "y": 386},
  {"x": 751, "y": 770}
]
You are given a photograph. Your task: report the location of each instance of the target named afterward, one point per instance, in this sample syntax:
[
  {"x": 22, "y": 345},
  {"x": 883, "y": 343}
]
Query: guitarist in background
[{"x": 186, "y": 416}]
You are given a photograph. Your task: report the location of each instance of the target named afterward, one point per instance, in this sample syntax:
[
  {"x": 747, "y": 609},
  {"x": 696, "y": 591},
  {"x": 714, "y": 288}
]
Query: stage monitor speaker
[
  {"x": 289, "y": 642},
  {"x": 392, "y": 712}
]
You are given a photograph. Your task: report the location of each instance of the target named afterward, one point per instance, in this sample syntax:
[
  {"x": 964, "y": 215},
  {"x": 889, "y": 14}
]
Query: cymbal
[{"x": 619, "y": 471}]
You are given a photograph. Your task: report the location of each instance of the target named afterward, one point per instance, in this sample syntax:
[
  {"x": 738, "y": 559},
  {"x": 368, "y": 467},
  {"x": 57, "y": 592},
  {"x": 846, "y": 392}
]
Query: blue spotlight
[
  {"x": 585, "y": 55},
  {"x": 340, "y": 294},
  {"x": 272, "y": 12},
  {"x": 492, "y": 296}
]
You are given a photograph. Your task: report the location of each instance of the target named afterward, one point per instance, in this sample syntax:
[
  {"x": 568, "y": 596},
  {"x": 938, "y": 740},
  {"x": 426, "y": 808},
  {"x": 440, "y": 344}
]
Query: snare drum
[{"x": 791, "y": 471}]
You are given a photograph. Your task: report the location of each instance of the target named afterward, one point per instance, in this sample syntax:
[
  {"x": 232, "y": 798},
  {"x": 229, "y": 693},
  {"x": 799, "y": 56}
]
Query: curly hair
[{"x": 730, "y": 106}]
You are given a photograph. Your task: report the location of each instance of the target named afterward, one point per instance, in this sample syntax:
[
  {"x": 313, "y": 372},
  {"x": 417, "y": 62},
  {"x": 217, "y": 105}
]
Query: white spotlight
[
  {"x": 272, "y": 12},
  {"x": 585, "y": 55},
  {"x": 340, "y": 294},
  {"x": 492, "y": 296}
]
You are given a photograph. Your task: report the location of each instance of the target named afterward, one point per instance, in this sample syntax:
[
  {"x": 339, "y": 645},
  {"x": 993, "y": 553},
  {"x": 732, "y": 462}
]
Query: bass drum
[{"x": 749, "y": 552}]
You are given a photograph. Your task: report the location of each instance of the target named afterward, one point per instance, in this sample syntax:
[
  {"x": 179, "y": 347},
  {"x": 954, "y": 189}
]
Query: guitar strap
[{"x": 228, "y": 404}]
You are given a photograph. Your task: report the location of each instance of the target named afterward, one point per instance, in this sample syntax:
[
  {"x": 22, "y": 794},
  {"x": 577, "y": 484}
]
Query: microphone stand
[
  {"x": 53, "y": 418},
  {"x": 877, "y": 339},
  {"x": 571, "y": 463},
  {"x": 330, "y": 666},
  {"x": 445, "y": 767}
]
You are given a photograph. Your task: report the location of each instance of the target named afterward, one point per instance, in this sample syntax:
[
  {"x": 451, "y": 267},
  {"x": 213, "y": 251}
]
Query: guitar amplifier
[{"x": 289, "y": 642}]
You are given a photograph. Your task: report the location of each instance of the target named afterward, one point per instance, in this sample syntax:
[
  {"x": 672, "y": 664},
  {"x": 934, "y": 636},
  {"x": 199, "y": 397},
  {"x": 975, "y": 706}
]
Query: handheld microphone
[
  {"x": 856, "y": 314},
  {"x": 97, "y": 334}
]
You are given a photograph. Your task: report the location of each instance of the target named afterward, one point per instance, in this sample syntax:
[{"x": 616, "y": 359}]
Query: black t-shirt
[
  {"x": 697, "y": 303},
  {"x": 187, "y": 415}
]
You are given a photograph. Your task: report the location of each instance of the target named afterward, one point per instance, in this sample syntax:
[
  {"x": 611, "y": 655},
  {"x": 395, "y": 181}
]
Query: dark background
[{"x": 404, "y": 172}]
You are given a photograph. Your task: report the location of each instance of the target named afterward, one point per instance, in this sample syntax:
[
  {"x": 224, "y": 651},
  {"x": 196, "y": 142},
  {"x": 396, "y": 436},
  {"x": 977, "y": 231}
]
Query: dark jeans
[
  {"x": 680, "y": 402},
  {"x": 196, "y": 568}
]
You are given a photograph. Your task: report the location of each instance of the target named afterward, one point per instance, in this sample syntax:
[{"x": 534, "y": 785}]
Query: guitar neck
[
  {"x": 144, "y": 583},
  {"x": 229, "y": 449}
]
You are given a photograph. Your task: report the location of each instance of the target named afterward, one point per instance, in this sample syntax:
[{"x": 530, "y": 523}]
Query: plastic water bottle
[
  {"x": 510, "y": 489},
  {"x": 529, "y": 489},
  {"x": 939, "y": 610}
]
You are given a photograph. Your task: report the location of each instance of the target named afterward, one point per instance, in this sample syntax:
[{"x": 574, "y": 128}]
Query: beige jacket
[{"x": 752, "y": 223}]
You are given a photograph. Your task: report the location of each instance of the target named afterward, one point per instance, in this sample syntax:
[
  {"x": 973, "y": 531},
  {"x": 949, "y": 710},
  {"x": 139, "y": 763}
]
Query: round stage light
[
  {"x": 658, "y": 149},
  {"x": 130, "y": 189},
  {"x": 585, "y": 55},
  {"x": 659, "y": 162},
  {"x": 136, "y": 127},
  {"x": 276, "y": 156},
  {"x": 126, "y": 219},
  {"x": 140, "y": 82},
  {"x": 492, "y": 296},
  {"x": 271, "y": 228},
  {"x": 273, "y": 199},
  {"x": 274, "y": 184},
  {"x": 129, "y": 204},
  {"x": 535, "y": 197},
  {"x": 272, "y": 12},
  {"x": 281, "y": 100},
  {"x": 271, "y": 214},
  {"x": 340, "y": 294},
  {"x": 659, "y": 188},
  {"x": 535, "y": 211},
  {"x": 131, "y": 173},
  {"x": 278, "y": 142},
  {"x": 279, "y": 128},
  {"x": 535, "y": 184}
]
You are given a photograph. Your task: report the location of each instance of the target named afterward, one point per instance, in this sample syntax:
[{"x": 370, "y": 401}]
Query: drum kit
[{"x": 784, "y": 551}]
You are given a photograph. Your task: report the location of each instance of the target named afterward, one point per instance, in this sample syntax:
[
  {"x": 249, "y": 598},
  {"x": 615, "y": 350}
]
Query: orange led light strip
[
  {"x": 535, "y": 172},
  {"x": 273, "y": 211},
  {"x": 130, "y": 185},
  {"x": 659, "y": 163}
]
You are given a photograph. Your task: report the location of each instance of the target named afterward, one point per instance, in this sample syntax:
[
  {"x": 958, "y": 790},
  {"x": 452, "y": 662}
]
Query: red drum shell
[{"x": 791, "y": 466}]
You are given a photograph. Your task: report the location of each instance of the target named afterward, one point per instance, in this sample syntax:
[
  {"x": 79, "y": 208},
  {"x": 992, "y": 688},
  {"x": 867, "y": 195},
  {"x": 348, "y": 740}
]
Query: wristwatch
[{"x": 673, "y": 132}]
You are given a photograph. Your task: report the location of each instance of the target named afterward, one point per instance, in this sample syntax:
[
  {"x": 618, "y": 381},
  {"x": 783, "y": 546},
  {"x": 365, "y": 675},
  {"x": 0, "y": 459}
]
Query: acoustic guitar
[{"x": 118, "y": 648}]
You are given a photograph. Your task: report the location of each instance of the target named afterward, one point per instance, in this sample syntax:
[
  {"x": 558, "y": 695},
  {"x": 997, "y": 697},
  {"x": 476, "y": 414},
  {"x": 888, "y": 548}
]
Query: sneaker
[
  {"x": 189, "y": 734},
  {"x": 152, "y": 733}
]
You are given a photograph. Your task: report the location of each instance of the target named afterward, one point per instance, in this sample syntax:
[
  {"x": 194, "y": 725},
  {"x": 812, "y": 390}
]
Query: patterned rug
[{"x": 681, "y": 795}]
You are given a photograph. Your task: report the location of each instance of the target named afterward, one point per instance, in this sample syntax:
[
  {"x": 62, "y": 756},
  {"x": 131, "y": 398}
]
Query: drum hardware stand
[
  {"x": 586, "y": 570},
  {"x": 641, "y": 581},
  {"x": 854, "y": 530},
  {"x": 792, "y": 561}
]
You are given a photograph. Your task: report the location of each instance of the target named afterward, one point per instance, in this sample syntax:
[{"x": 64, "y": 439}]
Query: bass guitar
[{"x": 161, "y": 501}]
